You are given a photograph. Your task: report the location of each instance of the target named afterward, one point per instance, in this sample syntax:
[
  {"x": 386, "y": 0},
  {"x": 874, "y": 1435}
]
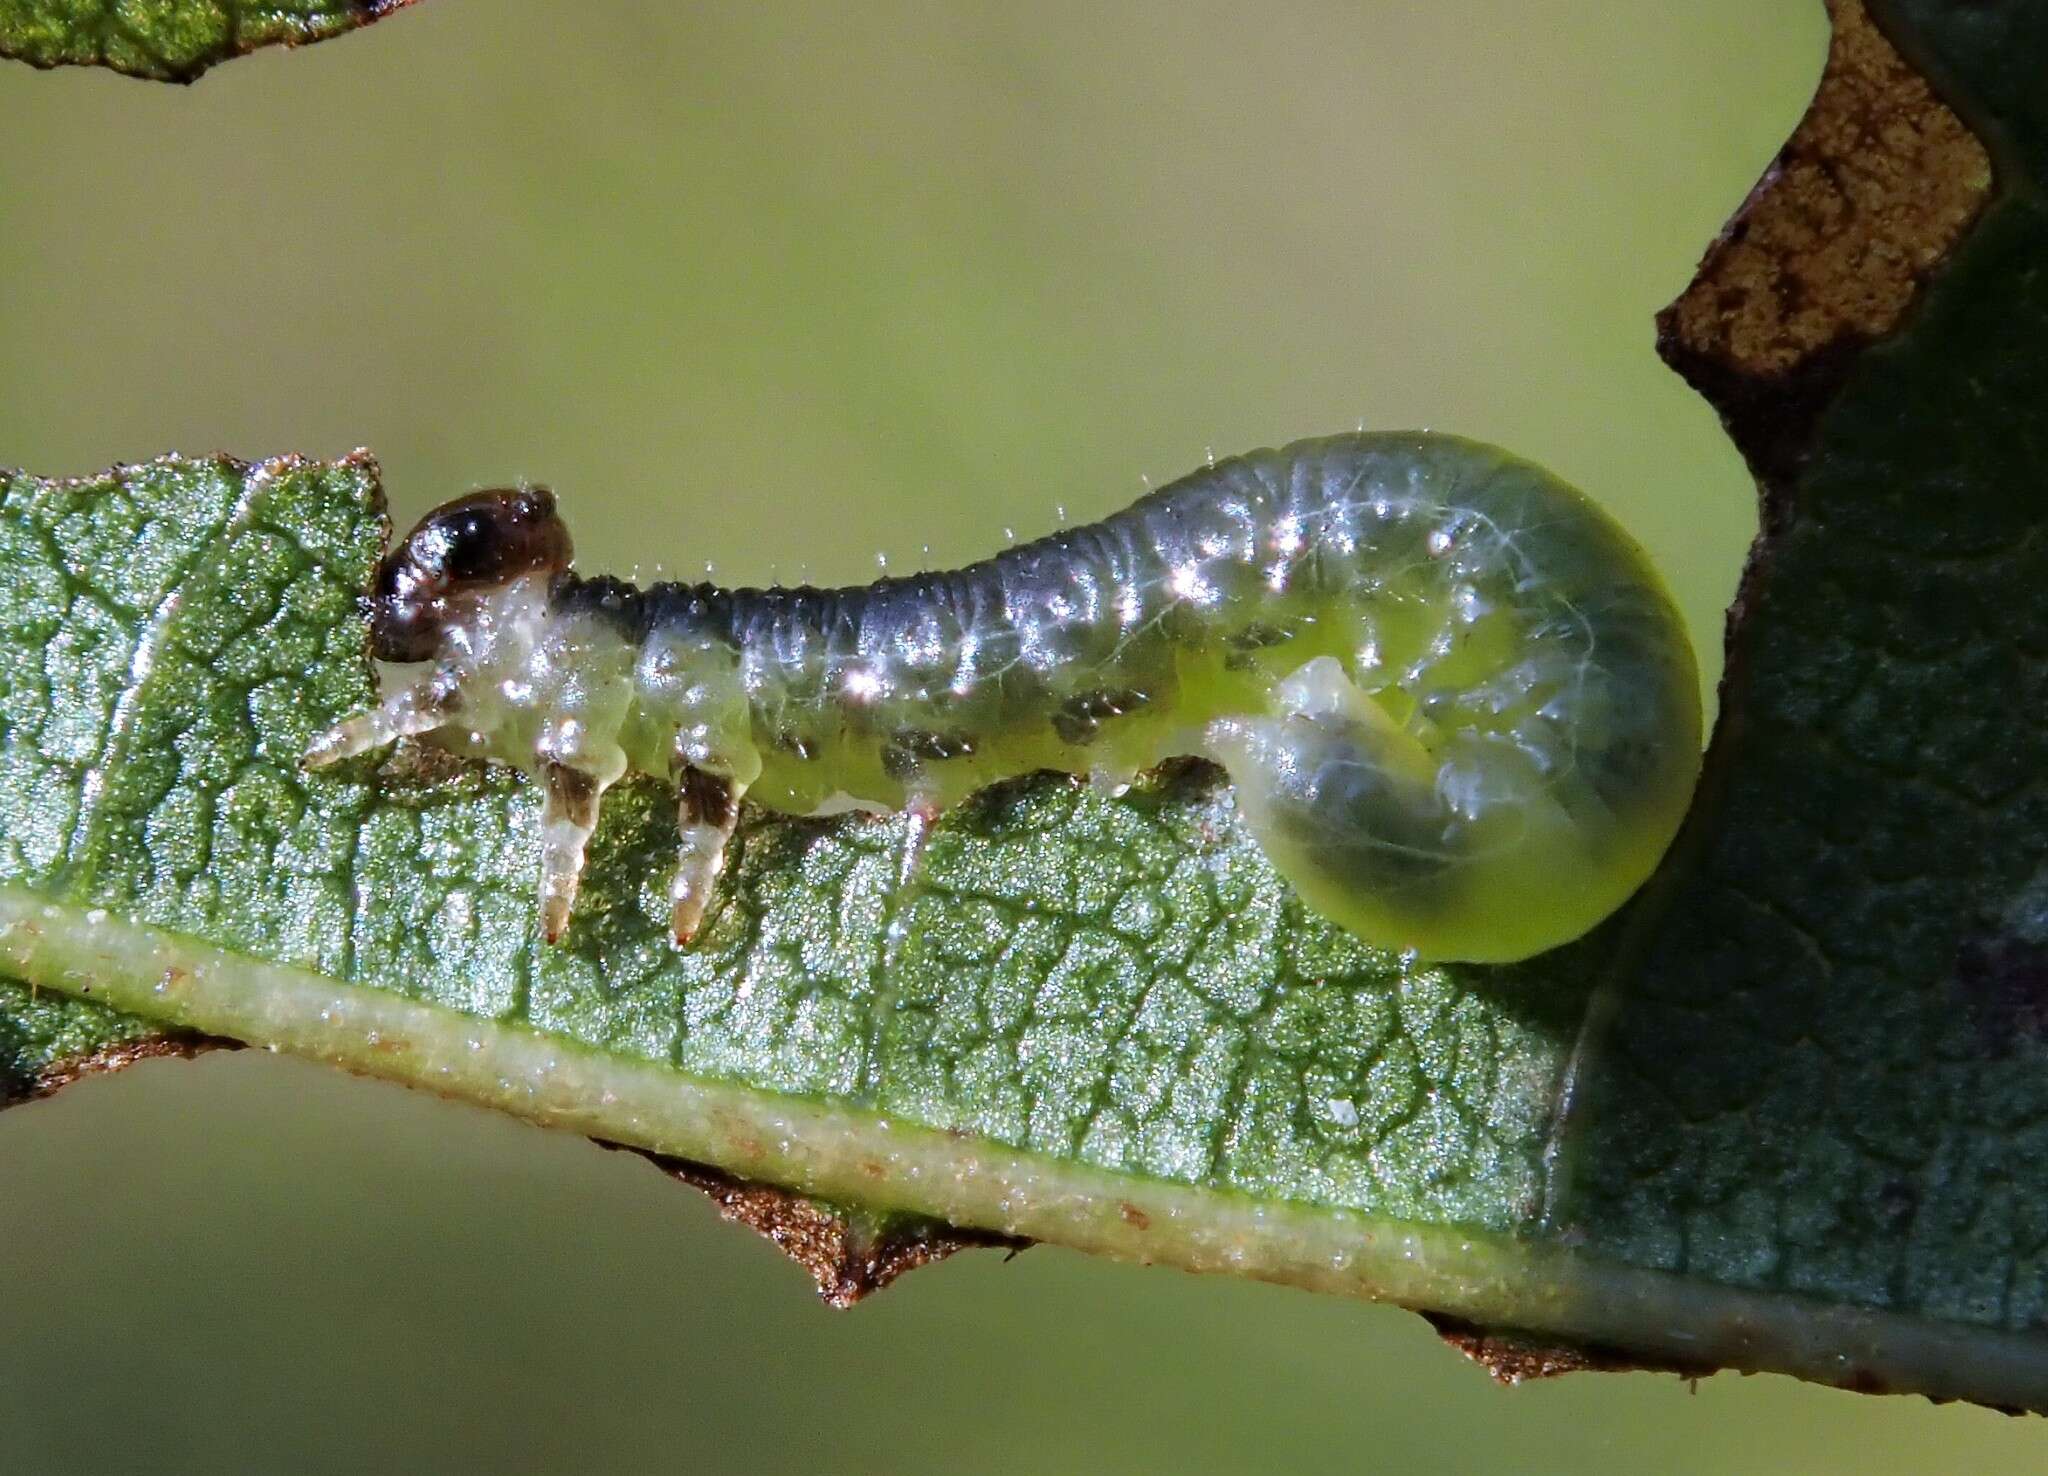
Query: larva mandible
[{"x": 1458, "y": 707}]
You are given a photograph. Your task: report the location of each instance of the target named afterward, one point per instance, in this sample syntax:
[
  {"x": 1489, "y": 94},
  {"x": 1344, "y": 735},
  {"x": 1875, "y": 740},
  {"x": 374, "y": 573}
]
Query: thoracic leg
[
  {"x": 707, "y": 810},
  {"x": 430, "y": 703},
  {"x": 568, "y": 816}
]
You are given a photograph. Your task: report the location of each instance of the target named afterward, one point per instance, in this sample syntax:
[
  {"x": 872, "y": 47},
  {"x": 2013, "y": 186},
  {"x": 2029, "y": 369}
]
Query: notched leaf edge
[
  {"x": 53, "y": 1078},
  {"x": 1828, "y": 254},
  {"x": 849, "y": 1255},
  {"x": 1511, "y": 1358}
]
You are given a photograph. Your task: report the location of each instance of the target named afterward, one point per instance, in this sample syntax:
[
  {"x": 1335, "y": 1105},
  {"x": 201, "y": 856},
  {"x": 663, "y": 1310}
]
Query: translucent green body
[{"x": 1459, "y": 709}]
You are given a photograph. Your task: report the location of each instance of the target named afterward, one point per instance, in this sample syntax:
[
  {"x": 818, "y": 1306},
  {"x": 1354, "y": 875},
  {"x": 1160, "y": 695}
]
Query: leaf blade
[
  {"x": 1122, "y": 980},
  {"x": 177, "y": 41},
  {"x": 1818, "y": 1077},
  {"x": 1112, "y": 1028}
]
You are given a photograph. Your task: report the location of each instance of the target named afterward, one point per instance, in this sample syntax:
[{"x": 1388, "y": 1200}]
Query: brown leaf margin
[
  {"x": 180, "y": 1045},
  {"x": 1828, "y": 254},
  {"x": 1512, "y": 1358},
  {"x": 849, "y": 1256}
]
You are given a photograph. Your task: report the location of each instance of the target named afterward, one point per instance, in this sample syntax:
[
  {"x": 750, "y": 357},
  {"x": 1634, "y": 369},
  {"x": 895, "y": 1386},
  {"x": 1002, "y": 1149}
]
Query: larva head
[{"x": 454, "y": 556}]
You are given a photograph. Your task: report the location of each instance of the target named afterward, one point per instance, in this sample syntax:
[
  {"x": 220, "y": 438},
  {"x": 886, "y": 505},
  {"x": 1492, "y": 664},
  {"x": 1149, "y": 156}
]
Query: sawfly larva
[{"x": 1459, "y": 710}]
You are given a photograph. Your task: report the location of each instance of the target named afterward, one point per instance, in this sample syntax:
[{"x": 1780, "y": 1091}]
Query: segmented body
[{"x": 1459, "y": 709}]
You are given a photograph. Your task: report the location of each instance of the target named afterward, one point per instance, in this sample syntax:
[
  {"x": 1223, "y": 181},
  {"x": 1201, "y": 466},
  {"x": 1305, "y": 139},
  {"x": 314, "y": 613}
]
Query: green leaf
[
  {"x": 170, "y": 40},
  {"x": 1786, "y": 1113},
  {"x": 1825, "y": 1069},
  {"x": 1120, "y": 983}
]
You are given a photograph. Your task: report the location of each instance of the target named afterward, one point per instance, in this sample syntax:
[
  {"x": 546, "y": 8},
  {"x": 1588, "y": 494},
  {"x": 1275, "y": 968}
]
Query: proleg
[{"x": 1459, "y": 709}]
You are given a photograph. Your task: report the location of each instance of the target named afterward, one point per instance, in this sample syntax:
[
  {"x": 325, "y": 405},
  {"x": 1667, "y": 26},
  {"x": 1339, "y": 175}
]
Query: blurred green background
[{"x": 782, "y": 288}]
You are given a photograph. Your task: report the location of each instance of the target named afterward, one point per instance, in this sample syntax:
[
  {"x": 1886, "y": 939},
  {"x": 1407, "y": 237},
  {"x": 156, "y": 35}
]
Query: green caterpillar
[{"x": 1458, "y": 706}]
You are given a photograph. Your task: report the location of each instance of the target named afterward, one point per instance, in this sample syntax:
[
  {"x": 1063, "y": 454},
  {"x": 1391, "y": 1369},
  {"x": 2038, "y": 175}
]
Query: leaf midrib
[{"x": 74, "y": 875}]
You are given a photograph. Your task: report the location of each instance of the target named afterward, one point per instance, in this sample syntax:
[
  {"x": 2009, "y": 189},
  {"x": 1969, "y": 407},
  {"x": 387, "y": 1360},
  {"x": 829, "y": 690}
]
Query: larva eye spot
[{"x": 461, "y": 550}]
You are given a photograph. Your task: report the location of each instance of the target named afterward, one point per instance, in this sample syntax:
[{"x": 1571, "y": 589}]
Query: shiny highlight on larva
[{"x": 1458, "y": 707}]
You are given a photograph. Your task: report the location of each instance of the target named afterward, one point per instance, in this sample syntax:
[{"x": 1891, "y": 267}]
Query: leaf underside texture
[{"x": 1787, "y": 1112}]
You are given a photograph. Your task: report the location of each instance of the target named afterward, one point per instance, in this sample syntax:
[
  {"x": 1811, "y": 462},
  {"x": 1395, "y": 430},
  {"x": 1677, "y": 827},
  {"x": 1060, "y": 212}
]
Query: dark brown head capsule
[{"x": 459, "y": 551}]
